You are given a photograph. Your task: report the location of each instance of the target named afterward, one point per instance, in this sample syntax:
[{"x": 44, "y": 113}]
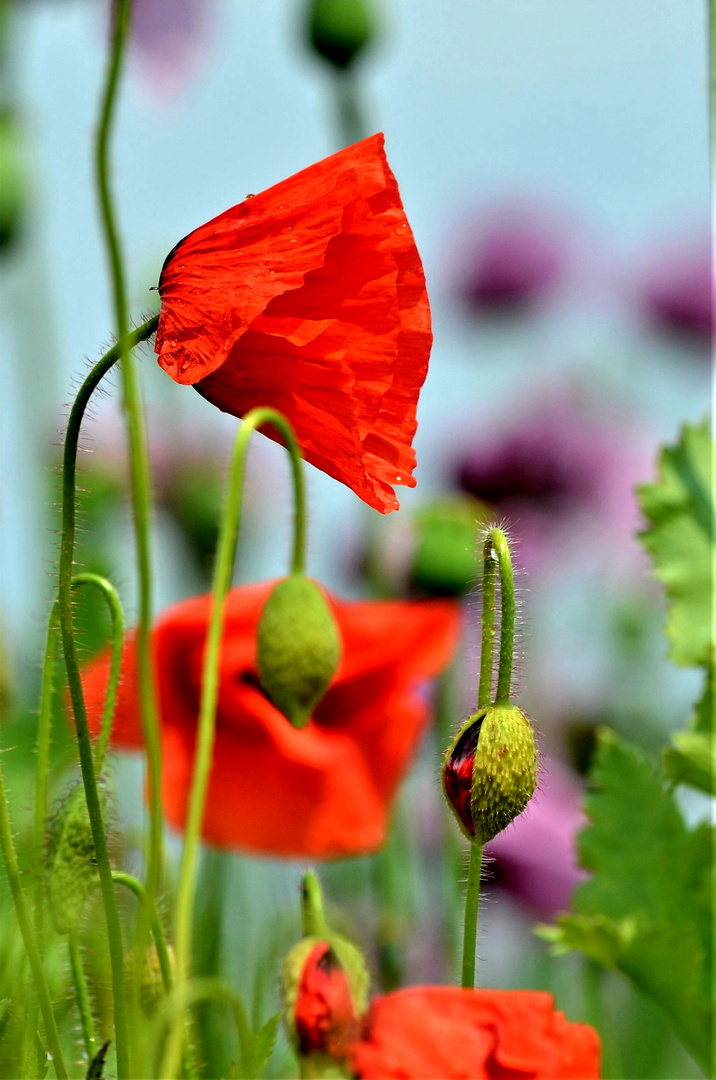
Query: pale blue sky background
[{"x": 596, "y": 105}]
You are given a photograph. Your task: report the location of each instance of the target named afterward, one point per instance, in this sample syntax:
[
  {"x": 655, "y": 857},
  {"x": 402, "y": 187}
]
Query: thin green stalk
[
  {"x": 139, "y": 467},
  {"x": 33, "y": 953},
  {"x": 82, "y": 994},
  {"x": 190, "y": 994},
  {"x": 210, "y": 676},
  {"x": 69, "y": 470},
  {"x": 44, "y": 723},
  {"x": 507, "y": 616},
  {"x": 484, "y": 691},
  {"x": 472, "y": 903}
]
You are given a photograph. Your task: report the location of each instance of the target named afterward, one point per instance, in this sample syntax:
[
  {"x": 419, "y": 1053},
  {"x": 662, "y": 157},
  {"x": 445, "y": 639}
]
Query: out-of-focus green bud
[
  {"x": 152, "y": 985},
  {"x": 339, "y": 30},
  {"x": 298, "y": 648},
  {"x": 12, "y": 179},
  {"x": 490, "y": 771},
  {"x": 445, "y": 562},
  {"x": 71, "y": 861}
]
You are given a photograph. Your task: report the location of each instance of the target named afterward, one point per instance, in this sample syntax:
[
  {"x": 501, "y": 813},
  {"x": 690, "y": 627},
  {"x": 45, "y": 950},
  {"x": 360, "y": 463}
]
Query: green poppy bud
[
  {"x": 490, "y": 771},
  {"x": 152, "y": 988},
  {"x": 298, "y": 648},
  {"x": 447, "y": 533},
  {"x": 340, "y": 29},
  {"x": 71, "y": 861}
]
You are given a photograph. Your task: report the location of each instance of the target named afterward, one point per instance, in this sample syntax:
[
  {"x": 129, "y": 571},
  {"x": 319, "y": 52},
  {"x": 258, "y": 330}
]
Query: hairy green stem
[
  {"x": 507, "y": 616},
  {"x": 33, "y": 953},
  {"x": 141, "y": 485},
  {"x": 116, "y": 616},
  {"x": 210, "y": 676},
  {"x": 44, "y": 723},
  {"x": 487, "y": 648},
  {"x": 472, "y": 903},
  {"x": 160, "y": 939},
  {"x": 82, "y": 994},
  {"x": 69, "y": 470}
]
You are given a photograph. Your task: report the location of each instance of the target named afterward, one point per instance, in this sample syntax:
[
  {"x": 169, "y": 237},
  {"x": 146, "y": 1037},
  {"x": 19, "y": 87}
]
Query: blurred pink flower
[
  {"x": 679, "y": 291},
  {"x": 516, "y": 255},
  {"x": 557, "y": 471},
  {"x": 169, "y": 40},
  {"x": 536, "y": 857}
]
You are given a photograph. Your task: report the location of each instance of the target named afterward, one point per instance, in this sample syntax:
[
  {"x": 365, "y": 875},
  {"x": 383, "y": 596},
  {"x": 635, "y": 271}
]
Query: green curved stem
[
  {"x": 190, "y": 994},
  {"x": 33, "y": 953},
  {"x": 141, "y": 485},
  {"x": 507, "y": 616},
  {"x": 160, "y": 939},
  {"x": 82, "y": 993},
  {"x": 210, "y": 674},
  {"x": 117, "y": 622},
  {"x": 69, "y": 470}
]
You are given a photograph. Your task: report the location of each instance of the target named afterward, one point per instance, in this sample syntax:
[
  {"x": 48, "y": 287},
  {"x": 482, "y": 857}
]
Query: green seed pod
[
  {"x": 298, "y": 648},
  {"x": 340, "y": 29},
  {"x": 71, "y": 862},
  {"x": 490, "y": 771}
]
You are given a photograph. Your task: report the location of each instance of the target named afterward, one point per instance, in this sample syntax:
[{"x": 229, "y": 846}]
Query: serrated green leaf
[
  {"x": 647, "y": 908},
  {"x": 5, "y": 1011},
  {"x": 679, "y": 539},
  {"x": 691, "y": 759},
  {"x": 96, "y": 1065},
  {"x": 264, "y": 1042}
]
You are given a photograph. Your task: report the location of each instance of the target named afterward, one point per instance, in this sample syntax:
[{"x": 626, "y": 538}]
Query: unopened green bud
[
  {"x": 446, "y": 538},
  {"x": 298, "y": 648},
  {"x": 152, "y": 988},
  {"x": 490, "y": 771},
  {"x": 340, "y": 29},
  {"x": 71, "y": 861}
]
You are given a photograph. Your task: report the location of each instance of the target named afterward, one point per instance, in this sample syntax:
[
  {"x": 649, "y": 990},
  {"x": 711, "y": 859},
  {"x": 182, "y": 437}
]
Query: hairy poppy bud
[
  {"x": 152, "y": 983},
  {"x": 325, "y": 990},
  {"x": 340, "y": 29},
  {"x": 490, "y": 771},
  {"x": 71, "y": 861},
  {"x": 298, "y": 648}
]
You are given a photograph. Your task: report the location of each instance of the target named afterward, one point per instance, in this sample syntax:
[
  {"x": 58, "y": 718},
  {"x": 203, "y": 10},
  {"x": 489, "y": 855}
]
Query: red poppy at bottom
[
  {"x": 324, "y": 791},
  {"x": 443, "y": 1033},
  {"x": 310, "y": 298}
]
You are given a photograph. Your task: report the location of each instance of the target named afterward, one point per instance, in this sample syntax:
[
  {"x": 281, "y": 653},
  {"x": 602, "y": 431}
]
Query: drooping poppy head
[
  {"x": 441, "y": 1032},
  {"x": 310, "y": 298},
  {"x": 323, "y": 791}
]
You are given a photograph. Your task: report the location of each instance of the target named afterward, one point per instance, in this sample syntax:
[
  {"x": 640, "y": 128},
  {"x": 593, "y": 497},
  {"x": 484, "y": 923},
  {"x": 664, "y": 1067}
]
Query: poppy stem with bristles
[
  {"x": 84, "y": 743},
  {"x": 223, "y": 570},
  {"x": 496, "y": 553},
  {"x": 141, "y": 484}
]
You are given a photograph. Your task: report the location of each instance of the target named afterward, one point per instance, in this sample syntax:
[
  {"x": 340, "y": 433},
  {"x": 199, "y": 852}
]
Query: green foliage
[
  {"x": 264, "y": 1042},
  {"x": 647, "y": 909},
  {"x": 679, "y": 540}
]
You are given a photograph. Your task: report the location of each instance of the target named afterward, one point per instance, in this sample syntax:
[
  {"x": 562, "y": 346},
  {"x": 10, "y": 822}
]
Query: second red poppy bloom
[
  {"x": 323, "y": 791},
  {"x": 310, "y": 298}
]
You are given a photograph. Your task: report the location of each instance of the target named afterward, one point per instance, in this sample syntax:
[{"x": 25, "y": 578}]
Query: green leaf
[
  {"x": 679, "y": 539},
  {"x": 691, "y": 758},
  {"x": 96, "y": 1066},
  {"x": 264, "y": 1042},
  {"x": 646, "y": 910},
  {"x": 5, "y": 1013}
]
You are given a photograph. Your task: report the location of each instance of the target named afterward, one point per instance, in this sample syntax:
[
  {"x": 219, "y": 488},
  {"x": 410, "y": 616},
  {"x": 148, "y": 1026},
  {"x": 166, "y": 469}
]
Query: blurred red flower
[
  {"x": 310, "y": 298},
  {"x": 442, "y": 1032},
  {"x": 323, "y": 791}
]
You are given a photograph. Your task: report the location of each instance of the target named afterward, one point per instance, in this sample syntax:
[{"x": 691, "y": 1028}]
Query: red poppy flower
[
  {"x": 323, "y": 791},
  {"x": 310, "y": 298},
  {"x": 324, "y": 1015},
  {"x": 442, "y": 1032}
]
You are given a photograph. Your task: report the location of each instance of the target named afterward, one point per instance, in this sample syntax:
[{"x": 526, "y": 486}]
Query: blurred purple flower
[
  {"x": 169, "y": 41},
  {"x": 536, "y": 857},
  {"x": 679, "y": 292},
  {"x": 516, "y": 256},
  {"x": 557, "y": 470}
]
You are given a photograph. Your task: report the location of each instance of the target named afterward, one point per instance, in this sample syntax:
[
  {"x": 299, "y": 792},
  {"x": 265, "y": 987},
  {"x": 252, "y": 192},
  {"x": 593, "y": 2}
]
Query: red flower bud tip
[
  {"x": 457, "y": 774},
  {"x": 324, "y": 1008}
]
